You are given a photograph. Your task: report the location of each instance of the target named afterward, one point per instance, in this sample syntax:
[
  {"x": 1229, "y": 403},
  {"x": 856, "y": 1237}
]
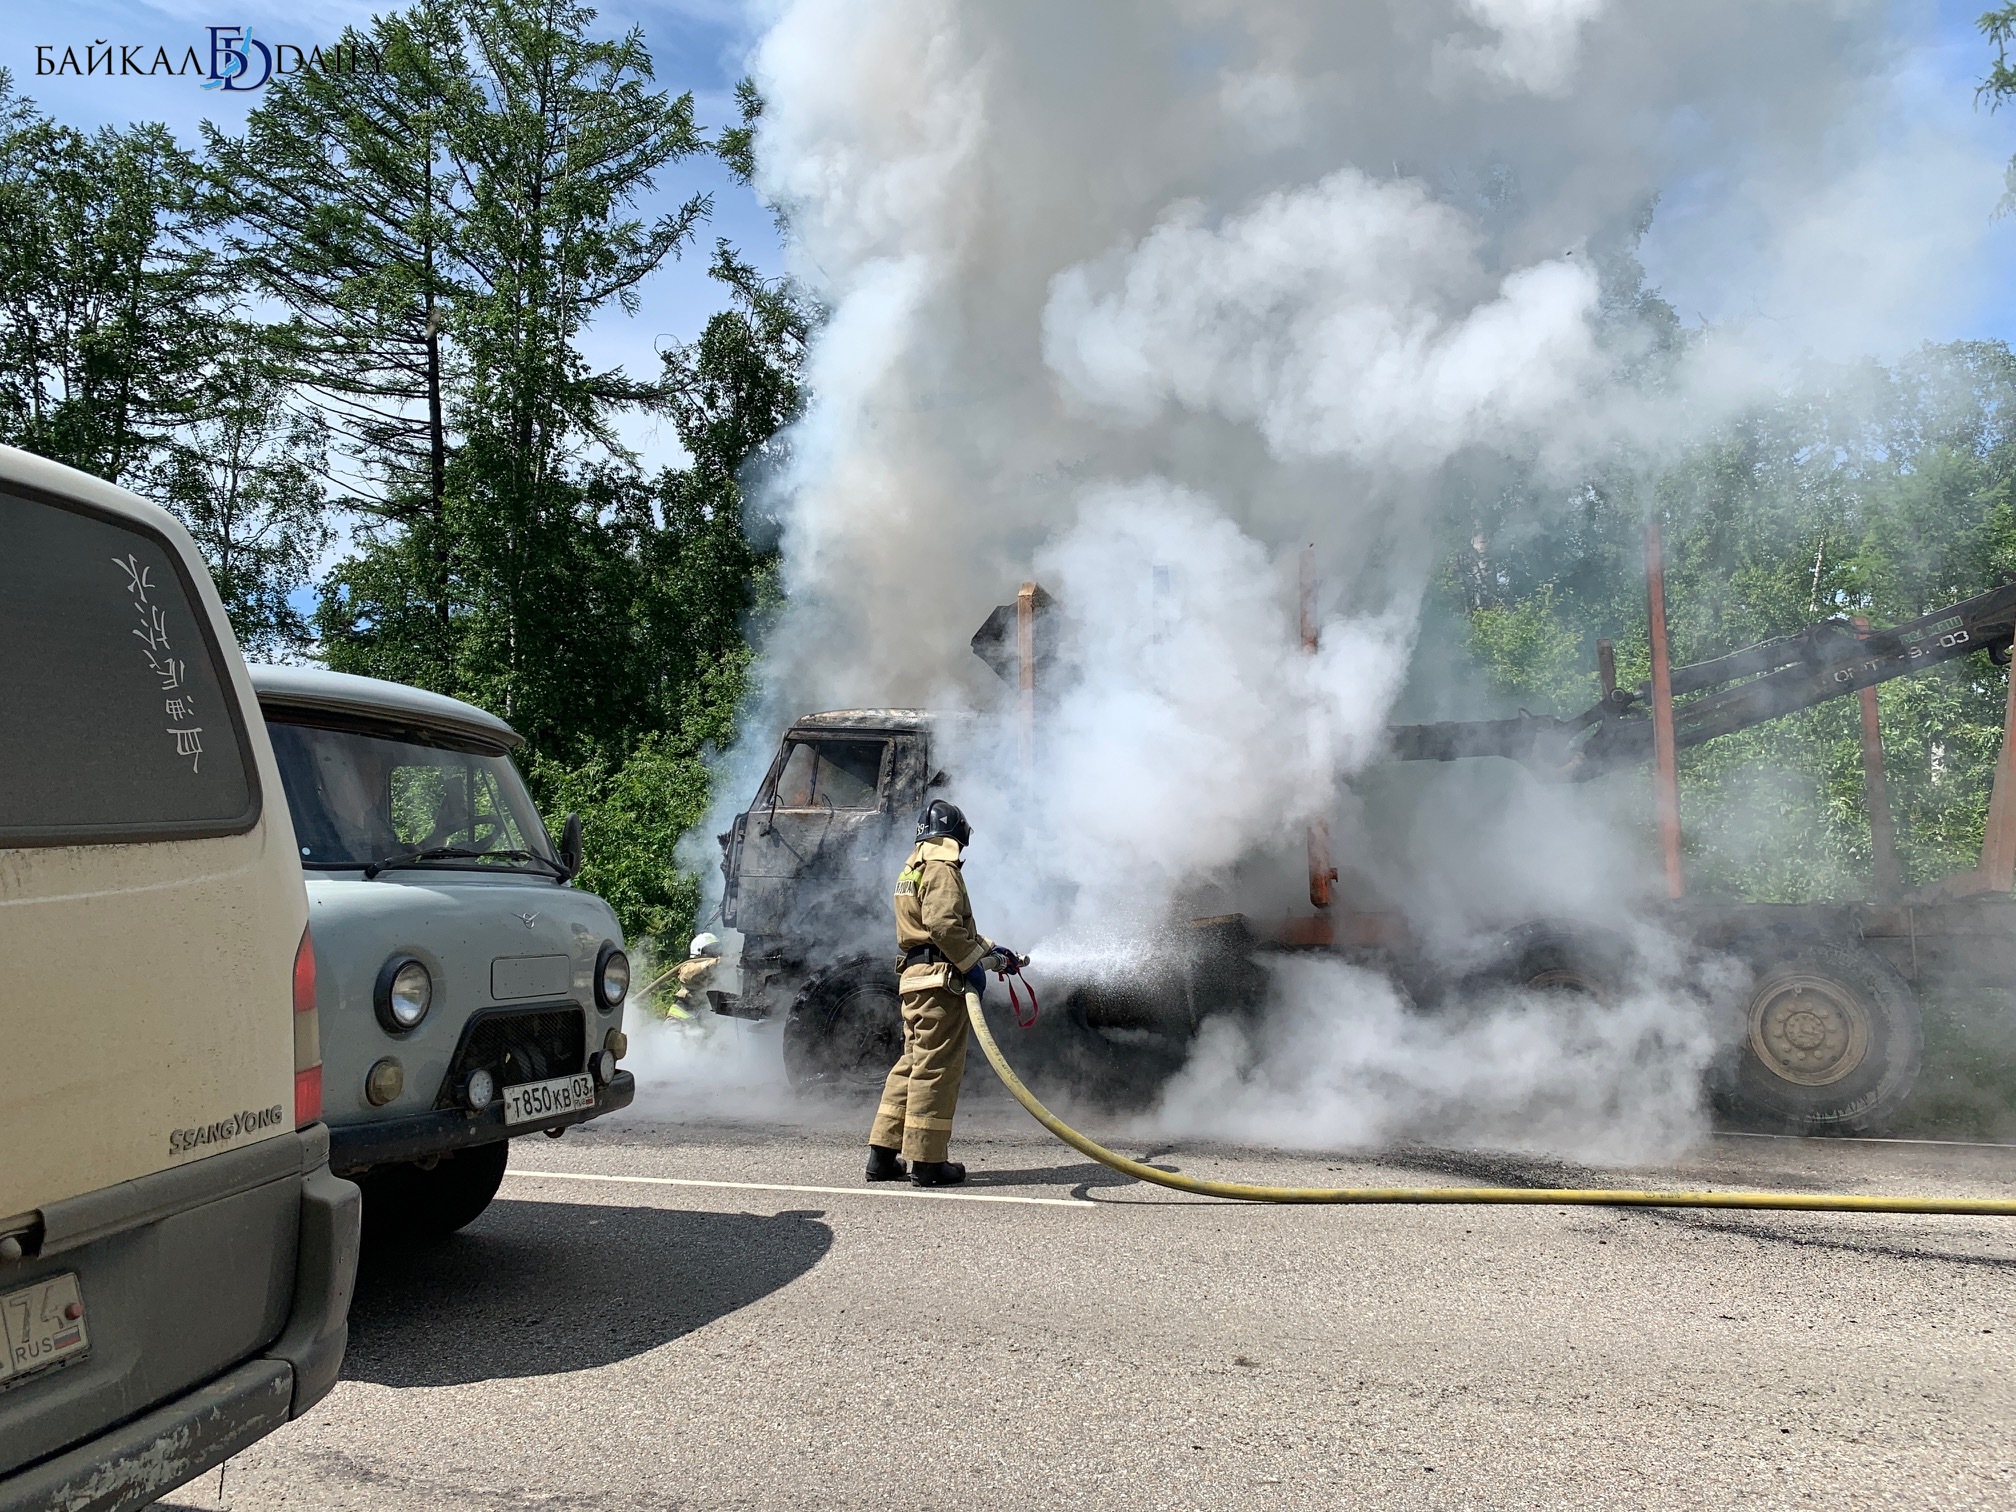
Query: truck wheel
[
  {"x": 405, "y": 1202},
  {"x": 1549, "y": 958},
  {"x": 846, "y": 1028},
  {"x": 1830, "y": 1039}
]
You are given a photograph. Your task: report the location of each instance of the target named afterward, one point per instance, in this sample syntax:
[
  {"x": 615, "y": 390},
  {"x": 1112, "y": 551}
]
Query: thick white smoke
[
  {"x": 1353, "y": 318},
  {"x": 1534, "y": 46},
  {"x": 1341, "y": 1061},
  {"x": 1197, "y": 728},
  {"x": 1142, "y": 299}
]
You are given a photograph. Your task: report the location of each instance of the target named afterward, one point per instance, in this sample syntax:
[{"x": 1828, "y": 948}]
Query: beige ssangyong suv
[{"x": 175, "y": 1257}]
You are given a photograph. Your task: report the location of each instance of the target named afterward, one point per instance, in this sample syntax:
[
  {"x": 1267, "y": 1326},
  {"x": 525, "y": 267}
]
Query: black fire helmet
[{"x": 943, "y": 821}]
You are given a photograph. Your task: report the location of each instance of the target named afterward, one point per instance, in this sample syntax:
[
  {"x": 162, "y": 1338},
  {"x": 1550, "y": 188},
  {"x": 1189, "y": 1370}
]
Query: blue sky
[
  {"x": 701, "y": 45},
  {"x": 1954, "y": 56},
  {"x": 1925, "y": 166}
]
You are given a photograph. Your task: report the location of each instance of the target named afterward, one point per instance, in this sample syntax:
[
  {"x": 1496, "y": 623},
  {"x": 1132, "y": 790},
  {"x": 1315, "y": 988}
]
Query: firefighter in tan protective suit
[{"x": 942, "y": 956}]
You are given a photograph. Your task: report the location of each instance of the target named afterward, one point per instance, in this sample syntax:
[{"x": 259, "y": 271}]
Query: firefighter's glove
[
  {"x": 976, "y": 979},
  {"x": 1001, "y": 959}
]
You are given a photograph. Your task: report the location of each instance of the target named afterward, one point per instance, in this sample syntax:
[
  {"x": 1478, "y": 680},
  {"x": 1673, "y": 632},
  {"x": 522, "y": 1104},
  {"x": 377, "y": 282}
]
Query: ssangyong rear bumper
[
  {"x": 134, "y": 1462},
  {"x": 356, "y": 1147}
]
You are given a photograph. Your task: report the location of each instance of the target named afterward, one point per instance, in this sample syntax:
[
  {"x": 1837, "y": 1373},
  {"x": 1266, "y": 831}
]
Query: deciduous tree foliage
[
  {"x": 100, "y": 269},
  {"x": 124, "y": 352},
  {"x": 1879, "y": 492},
  {"x": 702, "y": 592},
  {"x": 245, "y": 474}
]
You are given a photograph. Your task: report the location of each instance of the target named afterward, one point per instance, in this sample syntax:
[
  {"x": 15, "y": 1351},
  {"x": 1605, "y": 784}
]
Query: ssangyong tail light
[{"x": 307, "y": 1037}]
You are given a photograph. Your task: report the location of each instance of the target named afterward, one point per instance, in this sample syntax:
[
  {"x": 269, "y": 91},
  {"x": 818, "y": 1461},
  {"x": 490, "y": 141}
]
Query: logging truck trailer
[{"x": 1822, "y": 1029}]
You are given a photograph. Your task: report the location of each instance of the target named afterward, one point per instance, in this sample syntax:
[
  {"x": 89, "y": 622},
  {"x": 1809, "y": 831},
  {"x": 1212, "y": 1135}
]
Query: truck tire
[
  {"x": 1551, "y": 958},
  {"x": 845, "y": 1029},
  {"x": 403, "y": 1203},
  {"x": 1829, "y": 1038}
]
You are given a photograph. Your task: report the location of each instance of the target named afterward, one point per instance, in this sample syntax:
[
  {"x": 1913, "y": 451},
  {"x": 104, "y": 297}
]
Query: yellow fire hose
[{"x": 1239, "y": 1191}]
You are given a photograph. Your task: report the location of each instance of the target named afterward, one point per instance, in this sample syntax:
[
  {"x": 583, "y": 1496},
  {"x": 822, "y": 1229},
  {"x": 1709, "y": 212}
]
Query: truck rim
[{"x": 1807, "y": 1029}]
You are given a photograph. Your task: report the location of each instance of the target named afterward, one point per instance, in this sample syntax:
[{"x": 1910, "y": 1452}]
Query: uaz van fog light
[
  {"x": 612, "y": 977},
  {"x": 603, "y": 1062},
  {"x": 481, "y": 1089},
  {"x": 404, "y": 993},
  {"x": 384, "y": 1082}
]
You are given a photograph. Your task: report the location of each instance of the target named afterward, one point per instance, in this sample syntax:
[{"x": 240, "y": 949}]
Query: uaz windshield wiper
[
  {"x": 408, "y": 857},
  {"x": 461, "y": 853},
  {"x": 524, "y": 855}
]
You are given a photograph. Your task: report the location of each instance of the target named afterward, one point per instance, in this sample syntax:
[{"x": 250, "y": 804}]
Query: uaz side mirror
[{"x": 570, "y": 844}]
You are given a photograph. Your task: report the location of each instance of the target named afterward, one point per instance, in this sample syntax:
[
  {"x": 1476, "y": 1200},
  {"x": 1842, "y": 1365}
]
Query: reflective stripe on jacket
[{"x": 932, "y": 909}]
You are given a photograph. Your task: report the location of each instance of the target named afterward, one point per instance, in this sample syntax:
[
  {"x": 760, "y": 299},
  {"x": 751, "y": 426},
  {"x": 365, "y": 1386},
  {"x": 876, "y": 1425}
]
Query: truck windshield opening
[{"x": 837, "y": 773}]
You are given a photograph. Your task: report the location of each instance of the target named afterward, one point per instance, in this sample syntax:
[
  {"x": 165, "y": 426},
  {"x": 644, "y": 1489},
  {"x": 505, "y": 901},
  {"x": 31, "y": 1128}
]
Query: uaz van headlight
[
  {"x": 405, "y": 993},
  {"x": 612, "y": 977}
]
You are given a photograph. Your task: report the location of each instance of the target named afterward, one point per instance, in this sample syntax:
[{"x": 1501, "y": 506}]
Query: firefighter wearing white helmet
[
  {"x": 943, "y": 955},
  {"x": 701, "y": 959}
]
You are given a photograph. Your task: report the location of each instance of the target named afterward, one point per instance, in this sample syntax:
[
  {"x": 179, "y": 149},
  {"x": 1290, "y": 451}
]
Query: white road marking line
[
  {"x": 769, "y": 1186},
  {"x": 1827, "y": 1139}
]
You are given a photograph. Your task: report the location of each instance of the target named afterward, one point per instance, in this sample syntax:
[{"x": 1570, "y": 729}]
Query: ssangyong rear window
[{"x": 114, "y": 720}]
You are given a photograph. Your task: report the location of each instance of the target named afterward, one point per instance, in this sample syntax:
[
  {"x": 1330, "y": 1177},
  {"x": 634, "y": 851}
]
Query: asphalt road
[{"x": 665, "y": 1316}]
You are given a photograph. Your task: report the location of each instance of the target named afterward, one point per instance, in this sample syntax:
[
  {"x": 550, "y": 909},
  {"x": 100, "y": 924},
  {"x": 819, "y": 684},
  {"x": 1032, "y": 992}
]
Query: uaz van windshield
[{"x": 376, "y": 801}]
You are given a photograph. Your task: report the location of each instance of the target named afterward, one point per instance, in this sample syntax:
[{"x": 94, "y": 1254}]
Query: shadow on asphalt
[
  {"x": 1881, "y": 1245},
  {"x": 1080, "y": 1177},
  {"x": 538, "y": 1288}
]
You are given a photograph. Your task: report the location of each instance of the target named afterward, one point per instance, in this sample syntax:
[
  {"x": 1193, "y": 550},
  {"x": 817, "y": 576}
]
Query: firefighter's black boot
[
  {"x": 885, "y": 1165},
  {"x": 937, "y": 1172}
]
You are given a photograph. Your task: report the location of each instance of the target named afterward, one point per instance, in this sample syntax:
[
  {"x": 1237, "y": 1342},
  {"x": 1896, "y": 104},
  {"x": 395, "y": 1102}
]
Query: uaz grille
[{"x": 517, "y": 1045}]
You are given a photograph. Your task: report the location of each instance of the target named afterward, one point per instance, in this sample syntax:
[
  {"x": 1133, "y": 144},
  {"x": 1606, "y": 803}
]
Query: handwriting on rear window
[{"x": 169, "y": 670}]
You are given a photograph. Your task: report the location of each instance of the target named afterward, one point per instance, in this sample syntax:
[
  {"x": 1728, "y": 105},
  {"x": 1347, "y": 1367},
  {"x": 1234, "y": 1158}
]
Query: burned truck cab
[
  {"x": 807, "y": 871},
  {"x": 809, "y": 868}
]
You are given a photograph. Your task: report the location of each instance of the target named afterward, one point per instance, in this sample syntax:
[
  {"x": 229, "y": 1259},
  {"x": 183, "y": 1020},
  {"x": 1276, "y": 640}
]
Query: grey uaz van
[{"x": 468, "y": 993}]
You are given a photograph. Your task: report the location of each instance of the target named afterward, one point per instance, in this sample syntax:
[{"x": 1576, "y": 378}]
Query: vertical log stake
[
  {"x": 1025, "y": 656},
  {"x": 1998, "y": 844},
  {"x": 1321, "y": 873},
  {"x": 1666, "y": 776},
  {"x": 1885, "y": 877}
]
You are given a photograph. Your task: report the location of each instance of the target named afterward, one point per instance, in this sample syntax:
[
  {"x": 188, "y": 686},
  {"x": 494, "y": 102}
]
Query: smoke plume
[{"x": 1145, "y": 299}]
